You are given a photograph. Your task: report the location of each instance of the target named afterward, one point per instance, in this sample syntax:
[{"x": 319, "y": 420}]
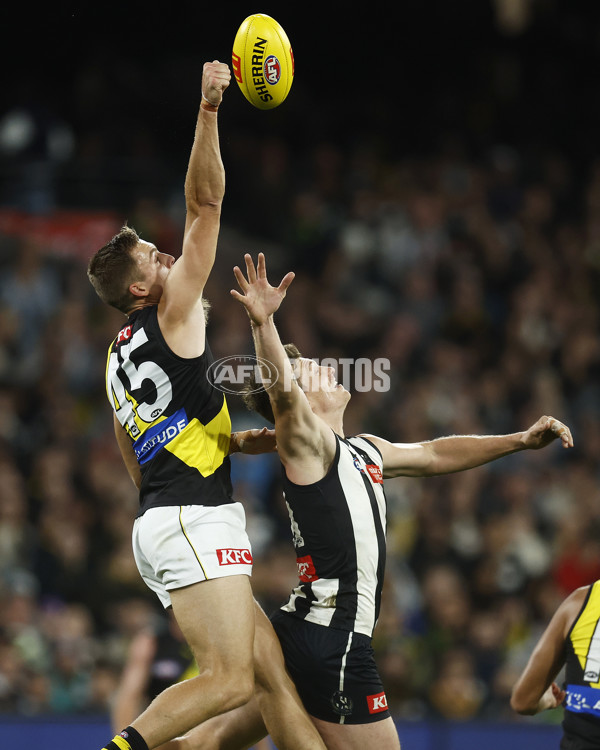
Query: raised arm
[
  {"x": 305, "y": 444},
  {"x": 535, "y": 690},
  {"x": 180, "y": 310},
  {"x": 459, "y": 452}
]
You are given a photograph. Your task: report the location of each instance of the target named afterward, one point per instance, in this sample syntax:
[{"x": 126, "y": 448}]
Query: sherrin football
[{"x": 262, "y": 61}]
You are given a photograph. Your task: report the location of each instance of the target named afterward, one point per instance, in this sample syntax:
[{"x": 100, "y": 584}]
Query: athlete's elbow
[
  {"x": 197, "y": 205},
  {"x": 522, "y": 704}
]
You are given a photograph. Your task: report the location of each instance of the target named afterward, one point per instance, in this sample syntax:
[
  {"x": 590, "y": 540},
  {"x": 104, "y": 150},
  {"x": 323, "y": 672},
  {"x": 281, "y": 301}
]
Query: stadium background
[{"x": 433, "y": 179}]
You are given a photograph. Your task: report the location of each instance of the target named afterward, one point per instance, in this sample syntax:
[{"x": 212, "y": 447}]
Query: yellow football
[{"x": 262, "y": 61}]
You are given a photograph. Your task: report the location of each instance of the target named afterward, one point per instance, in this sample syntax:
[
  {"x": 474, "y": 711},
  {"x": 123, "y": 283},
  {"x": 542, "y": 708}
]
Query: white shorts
[{"x": 176, "y": 546}]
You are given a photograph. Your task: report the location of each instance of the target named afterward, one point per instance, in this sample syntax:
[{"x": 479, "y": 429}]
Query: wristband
[{"x": 208, "y": 106}]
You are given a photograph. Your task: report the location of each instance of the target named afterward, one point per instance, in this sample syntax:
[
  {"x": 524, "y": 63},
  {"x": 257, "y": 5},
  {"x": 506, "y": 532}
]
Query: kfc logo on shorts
[
  {"x": 306, "y": 569},
  {"x": 375, "y": 473},
  {"x": 234, "y": 556},
  {"x": 377, "y": 703}
]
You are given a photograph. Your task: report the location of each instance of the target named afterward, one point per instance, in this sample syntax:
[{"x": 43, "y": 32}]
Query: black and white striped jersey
[{"x": 338, "y": 527}]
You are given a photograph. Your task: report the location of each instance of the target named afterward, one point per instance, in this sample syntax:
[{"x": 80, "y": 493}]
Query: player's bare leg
[
  {"x": 276, "y": 705},
  {"x": 380, "y": 734},
  {"x": 278, "y": 700},
  {"x": 216, "y": 618}
]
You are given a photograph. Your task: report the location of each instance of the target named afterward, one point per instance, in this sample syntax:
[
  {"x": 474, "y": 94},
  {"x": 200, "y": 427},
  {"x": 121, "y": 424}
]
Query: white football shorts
[{"x": 176, "y": 546}]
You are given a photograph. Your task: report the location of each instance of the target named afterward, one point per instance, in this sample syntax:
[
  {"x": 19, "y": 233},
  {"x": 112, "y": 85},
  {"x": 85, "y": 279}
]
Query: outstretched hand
[
  {"x": 545, "y": 431},
  {"x": 215, "y": 79},
  {"x": 256, "y": 441},
  {"x": 259, "y": 298}
]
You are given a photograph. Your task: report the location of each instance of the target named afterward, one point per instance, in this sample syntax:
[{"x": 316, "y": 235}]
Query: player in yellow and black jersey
[
  {"x": 174, "y": 433},
  {"x": 178, "y": 424},
  {"x": 572, "y": 640}
]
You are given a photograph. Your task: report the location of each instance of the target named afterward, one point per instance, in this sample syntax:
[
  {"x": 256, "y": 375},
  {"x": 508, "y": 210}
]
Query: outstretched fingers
[
  {"x": 262, "y": 266},
  {"x": 243, "y": 285},
  {"x": 285, "y": 282},
  {"x": 241, "y": 279},
  {"x": 250, "y": 269},
  {"x": 257, "y": 275}
]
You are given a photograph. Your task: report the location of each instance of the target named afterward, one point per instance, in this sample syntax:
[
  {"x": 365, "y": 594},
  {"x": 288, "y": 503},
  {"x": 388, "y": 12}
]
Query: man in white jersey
[{"x": 334, "y": 491}]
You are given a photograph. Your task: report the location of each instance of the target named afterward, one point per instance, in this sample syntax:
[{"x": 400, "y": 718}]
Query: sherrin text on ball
[{"x": 262, "y": 61}]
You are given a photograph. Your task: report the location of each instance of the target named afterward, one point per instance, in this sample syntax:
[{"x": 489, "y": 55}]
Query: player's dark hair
[
  {"x": 256, "y": 397},
  {"x": 112, "y": 269}
]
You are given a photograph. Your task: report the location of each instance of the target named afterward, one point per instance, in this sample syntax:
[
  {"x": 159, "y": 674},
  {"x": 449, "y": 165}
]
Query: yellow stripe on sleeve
[{"x": 121, "y": 743}]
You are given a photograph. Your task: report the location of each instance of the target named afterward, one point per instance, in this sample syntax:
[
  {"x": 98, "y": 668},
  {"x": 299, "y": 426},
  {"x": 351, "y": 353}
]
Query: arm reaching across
[
  {"x": 253, "y": 442},
  {"x": 459, "y": 452}
]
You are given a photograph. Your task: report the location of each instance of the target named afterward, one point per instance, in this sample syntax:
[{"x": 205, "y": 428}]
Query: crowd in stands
[{"x": 482, "y": 292}]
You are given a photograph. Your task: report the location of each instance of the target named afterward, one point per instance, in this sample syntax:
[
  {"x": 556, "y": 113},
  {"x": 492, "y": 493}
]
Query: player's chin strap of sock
[{"x": 129, "y": 739}]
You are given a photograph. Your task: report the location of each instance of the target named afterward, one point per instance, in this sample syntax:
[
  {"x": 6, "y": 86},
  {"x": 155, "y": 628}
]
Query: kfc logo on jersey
[
  {"x": 234, "y": 556},
  {"x": 377, "y": 703},
  {"x": 375, "y": 473},
  {"x": 124, "y": 334},
  {"x": 306, "y": 569}
]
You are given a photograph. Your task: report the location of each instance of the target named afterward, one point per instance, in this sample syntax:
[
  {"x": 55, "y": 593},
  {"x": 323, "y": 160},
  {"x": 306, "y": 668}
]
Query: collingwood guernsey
[
  {"x": 178, "y": 422},
  {"x": 338, "y": 527}
]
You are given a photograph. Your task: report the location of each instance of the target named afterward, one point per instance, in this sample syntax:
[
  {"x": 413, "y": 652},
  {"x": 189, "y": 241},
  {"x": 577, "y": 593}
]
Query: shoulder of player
[
  {"x": 304, "y": 430},
  {"x": 377, "y": 443},
  {"x": 308, "y": 447},
  {"x": 572, "y": 606},
  {"x": 307, "y": 455},
  {"x": 181, "y": 326}
]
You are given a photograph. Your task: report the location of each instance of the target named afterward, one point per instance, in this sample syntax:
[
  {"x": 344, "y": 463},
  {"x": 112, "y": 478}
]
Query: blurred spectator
[{"x": 29, "y": 295}]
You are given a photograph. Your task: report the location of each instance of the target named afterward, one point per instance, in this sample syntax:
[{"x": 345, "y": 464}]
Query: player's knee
[
  {"x": 271, "y": 677},
  {"x": 240, "y": 690},
  {"x": 234, "y": 682}
]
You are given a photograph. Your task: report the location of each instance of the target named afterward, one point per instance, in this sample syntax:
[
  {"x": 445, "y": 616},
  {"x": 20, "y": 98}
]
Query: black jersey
[
  {"x": 338, "y": 525},
  {"x": 581, "y": 722},
  {"x": 178, "y": 422}
]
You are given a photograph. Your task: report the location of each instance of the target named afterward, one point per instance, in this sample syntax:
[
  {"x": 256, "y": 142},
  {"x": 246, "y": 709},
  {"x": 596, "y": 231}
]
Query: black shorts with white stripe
[{"x": 334, "y": 671}]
